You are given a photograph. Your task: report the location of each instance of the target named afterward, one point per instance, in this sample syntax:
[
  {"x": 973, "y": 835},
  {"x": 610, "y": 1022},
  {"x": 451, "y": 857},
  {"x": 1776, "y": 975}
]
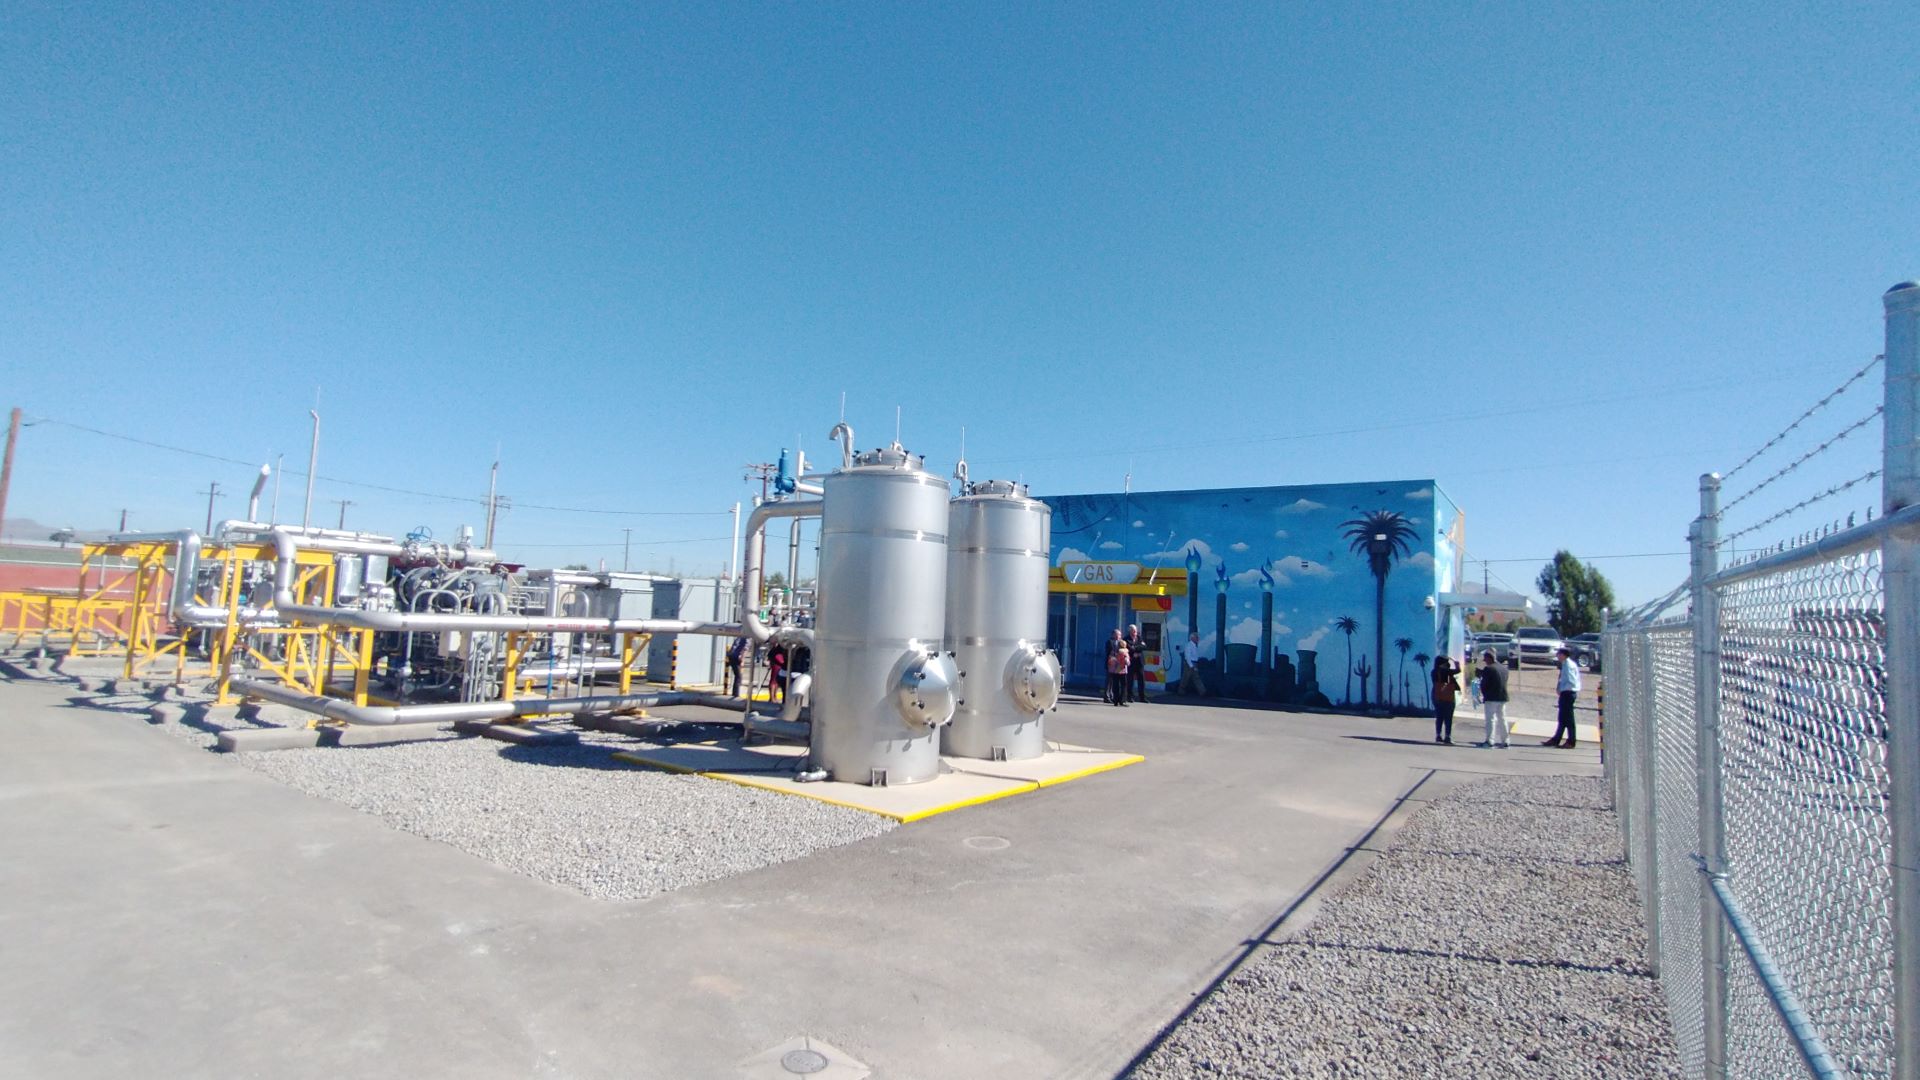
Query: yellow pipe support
[
  {"x": 626, "y": 661},
  {"x": 363, "y": 667},
  {"x": 511, "y": 674}
]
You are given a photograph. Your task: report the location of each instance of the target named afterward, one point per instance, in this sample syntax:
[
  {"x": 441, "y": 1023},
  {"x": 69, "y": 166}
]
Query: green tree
[{"x": 1576, "y": 593}]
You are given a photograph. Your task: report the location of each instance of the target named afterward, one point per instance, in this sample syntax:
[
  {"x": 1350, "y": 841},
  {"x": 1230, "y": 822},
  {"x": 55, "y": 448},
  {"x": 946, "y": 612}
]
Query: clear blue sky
[{"x": 1563, "y": 258}]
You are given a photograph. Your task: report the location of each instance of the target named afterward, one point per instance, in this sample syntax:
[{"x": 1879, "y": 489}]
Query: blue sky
[{"x": 1564, "y": 258}]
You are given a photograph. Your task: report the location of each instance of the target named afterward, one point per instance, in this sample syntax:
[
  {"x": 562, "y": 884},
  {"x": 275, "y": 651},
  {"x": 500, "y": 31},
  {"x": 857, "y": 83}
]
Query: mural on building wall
[{"x": 1308, "y": 595}]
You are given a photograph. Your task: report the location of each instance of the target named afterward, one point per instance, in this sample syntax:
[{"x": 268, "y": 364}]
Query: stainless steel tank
[
  {"x": 997, "y": 622},
  {"x": 882, "y": 687}
]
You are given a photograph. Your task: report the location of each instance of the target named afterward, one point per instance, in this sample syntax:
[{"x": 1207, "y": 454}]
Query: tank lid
[
  {"x": 997, "y": 487},
  {"x": 889, "y": 457}
]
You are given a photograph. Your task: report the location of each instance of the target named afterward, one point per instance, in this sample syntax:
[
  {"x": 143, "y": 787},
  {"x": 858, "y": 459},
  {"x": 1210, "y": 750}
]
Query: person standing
[
  {"x": 1136, "y": 664},
  {"x": 735, "y": 652},
  {"x": 1446, "y": 689},
  {"x": 1117, "y": 675},
  {"x": 1569, "y": 688},
  {"x": 776, "y": 673},
  {"x": 1115, "y": 642},
  {"x": 1493, "y": 696},
  {"x": 1190, "y": 666}
]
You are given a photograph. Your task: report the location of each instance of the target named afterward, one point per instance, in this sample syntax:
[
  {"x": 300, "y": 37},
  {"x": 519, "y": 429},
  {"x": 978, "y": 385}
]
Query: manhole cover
[
  {"x": 987, "y": 843},
  {"x": 803, "y": 1062}
]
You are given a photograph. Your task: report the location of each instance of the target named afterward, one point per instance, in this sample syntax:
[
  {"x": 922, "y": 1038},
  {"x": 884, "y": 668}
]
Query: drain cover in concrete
[{"x": 802, "y": 1056}]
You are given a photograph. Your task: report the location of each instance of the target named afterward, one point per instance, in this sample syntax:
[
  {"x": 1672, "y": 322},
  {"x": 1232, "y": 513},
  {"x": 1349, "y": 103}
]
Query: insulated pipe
[
  {"x": 289, "y": 543},
  {"x": 253, "y": 500},
  {"x": 382, "y": 715},
  {"x": 799, "y": 689},
  {"x": 750, "y": 572},
  {"x": 186, "y": 562},
  {"x": 231, "y": 528},
  {"x": 844, "y": 432}
]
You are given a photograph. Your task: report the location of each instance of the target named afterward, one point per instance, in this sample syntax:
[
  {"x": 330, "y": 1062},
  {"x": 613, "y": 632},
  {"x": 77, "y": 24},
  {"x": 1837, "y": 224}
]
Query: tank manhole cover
[
  {"x": 803, "y": 1062},
  {"x": 987, "y": 843}
]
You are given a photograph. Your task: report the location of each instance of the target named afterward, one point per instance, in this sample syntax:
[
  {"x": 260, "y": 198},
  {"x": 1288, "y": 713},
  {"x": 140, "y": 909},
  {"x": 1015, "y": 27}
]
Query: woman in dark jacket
[{"x": 1446, "y": 689}]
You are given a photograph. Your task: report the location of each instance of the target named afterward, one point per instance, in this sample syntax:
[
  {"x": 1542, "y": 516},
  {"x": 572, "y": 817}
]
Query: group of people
[
  {"x": 1490, "y": 681},
  {"x": 1126, "y": 668},
  {"x": 782, "y": 664}
]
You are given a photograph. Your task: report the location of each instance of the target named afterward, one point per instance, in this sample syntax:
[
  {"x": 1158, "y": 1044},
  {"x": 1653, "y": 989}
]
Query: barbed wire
[
  {"x": 1804, "y": 458},
  {"x": 1802, "y": 505},
  {"x": 1817, "y": 406}
]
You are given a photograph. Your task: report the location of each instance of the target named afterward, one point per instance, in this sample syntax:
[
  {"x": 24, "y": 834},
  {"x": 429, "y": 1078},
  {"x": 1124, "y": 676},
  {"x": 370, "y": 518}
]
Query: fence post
[
  {"x": 1649, "y": 780},
  {"x": 1900, "y": 578},
  {"x": 1705, "y": 537}
]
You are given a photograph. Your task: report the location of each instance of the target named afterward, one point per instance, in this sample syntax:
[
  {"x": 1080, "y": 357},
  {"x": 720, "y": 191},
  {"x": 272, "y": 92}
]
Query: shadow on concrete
[{"x": 1401, "y": 742}]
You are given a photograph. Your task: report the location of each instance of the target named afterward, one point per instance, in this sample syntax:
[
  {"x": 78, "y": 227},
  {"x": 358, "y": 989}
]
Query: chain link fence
[{"x": 1761, "y": 731}]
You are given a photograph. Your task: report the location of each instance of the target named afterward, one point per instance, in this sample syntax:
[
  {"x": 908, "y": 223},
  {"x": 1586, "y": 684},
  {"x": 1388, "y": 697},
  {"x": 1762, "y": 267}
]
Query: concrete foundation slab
[
  {"x": 963, "y": 782},
  {"x": 364, "y": 735},
  {"x": 518, "y": 734},
  {"x": 255, "y": 740}
]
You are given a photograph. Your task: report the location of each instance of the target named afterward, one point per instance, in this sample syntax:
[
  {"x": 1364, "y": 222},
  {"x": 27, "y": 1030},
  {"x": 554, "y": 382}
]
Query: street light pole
[{"x": 626, "y": 550}]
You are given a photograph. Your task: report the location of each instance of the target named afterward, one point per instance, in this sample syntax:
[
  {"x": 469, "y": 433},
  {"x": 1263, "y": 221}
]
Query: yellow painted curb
[
  {"x": 635, "y": 759},
  {"x": 789, "y": 789},
  {"x": 1132, "y": 759},
  {"x": 920, "y": 815}
]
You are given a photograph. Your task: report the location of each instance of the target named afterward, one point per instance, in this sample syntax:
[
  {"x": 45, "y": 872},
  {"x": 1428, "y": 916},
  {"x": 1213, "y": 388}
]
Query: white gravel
[
  {"x": 570, "y": 816},
  {"x": 1500, "y": 936}
]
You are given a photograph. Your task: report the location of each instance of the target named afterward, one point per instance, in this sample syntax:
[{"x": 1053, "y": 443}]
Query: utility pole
[
  {"x": 343, "y": 504},
  {"x": 765, "y": 471},
  {"x": 212, "y": 493},
  {"x": 6, "y": 466},
  {"x": 313, "y": 463},
  {"x": 493, "y": 490},
  {"x": 626, "y": 550},
  {"x": 123, "y": 520}
]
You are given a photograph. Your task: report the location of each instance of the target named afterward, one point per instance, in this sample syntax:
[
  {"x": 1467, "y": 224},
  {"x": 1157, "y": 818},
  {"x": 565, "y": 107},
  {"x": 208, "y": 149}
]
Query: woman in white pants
[{"x": 1493, "y": 695}]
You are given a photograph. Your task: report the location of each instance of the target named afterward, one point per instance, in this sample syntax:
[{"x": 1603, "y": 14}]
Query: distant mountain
[{"x": 28, "y": 531}]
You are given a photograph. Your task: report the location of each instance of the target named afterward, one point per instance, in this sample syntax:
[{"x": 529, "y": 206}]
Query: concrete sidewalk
[{"x": 168, "y": 913}]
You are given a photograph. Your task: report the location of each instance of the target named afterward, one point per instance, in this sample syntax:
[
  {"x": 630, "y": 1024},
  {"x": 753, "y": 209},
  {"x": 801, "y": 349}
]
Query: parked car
[
  {"x": 1538, "y": 644},
  {"x": 1586, "y": 651},
  {"x": 1501, "y": 645}
]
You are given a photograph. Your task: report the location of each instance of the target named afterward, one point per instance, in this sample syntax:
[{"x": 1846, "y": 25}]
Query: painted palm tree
[
  {"x": 1382, "y": 536},
  {"x": 1419, "y": 666},
  {"x": 1403, "y": 644},
  {"x": 1347, "y": 624}
]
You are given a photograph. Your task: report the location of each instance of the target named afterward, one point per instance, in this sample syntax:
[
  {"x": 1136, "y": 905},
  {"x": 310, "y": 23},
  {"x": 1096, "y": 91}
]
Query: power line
[
  {"x": 475, "y": 500},
  {"x": 610, "y": 544}
]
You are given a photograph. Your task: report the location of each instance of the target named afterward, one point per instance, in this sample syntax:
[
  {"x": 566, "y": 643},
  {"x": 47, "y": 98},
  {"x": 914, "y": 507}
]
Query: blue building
[{"x": 1320, "y": 594}]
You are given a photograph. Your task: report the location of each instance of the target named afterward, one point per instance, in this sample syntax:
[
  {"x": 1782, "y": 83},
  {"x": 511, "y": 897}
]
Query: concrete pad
[
  {"x": 963, "y": 782},
  {"x": 518, "y": 734},
  {"x": 1526, "y": 727},
  {"x": 378, "y": 735},
  {"x": 301, "y": 939},
  {"x": 255, "y": 740},
  {"x": 803, "y": 1056}
]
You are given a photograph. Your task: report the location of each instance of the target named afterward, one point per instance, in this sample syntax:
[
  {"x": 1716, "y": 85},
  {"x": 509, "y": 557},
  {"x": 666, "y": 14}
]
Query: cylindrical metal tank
[
  {"x": 882, "y": 687},
  {"x": 997, "y": 541}
]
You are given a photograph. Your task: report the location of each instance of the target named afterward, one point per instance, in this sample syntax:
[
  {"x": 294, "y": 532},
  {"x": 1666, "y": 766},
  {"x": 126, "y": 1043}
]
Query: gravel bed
[
  {"x": 568, "y": 815},
  {"x": 1499, "y": 936}
]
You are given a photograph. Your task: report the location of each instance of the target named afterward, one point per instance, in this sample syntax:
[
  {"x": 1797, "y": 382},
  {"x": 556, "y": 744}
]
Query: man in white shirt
[
  {"x": 1569, "y": 687},
  {"x": 1190, "y": 666}
]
